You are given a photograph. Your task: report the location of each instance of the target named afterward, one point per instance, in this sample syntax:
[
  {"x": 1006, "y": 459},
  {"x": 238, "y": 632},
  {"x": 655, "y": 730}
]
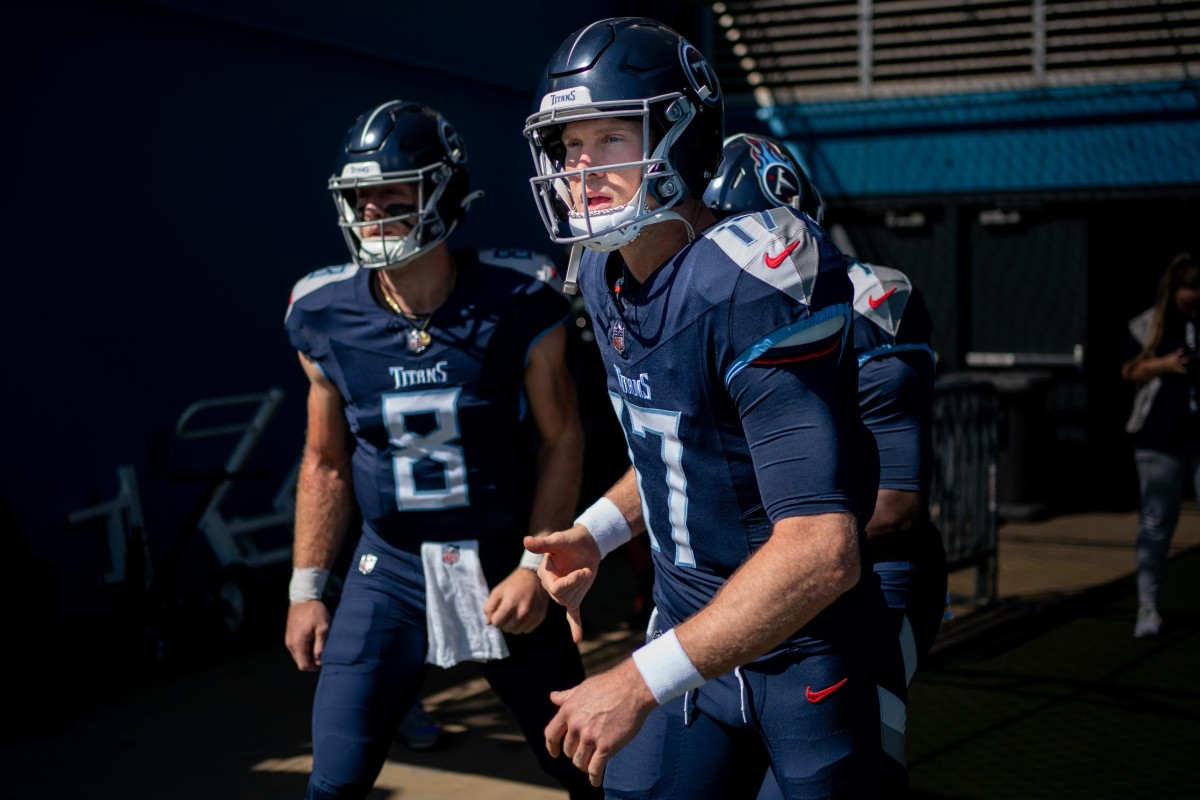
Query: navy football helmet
[
  {"x": 400, "y": 142},
  {"x": 641, "y": 69},
  {"x": 757, "y": 174}
]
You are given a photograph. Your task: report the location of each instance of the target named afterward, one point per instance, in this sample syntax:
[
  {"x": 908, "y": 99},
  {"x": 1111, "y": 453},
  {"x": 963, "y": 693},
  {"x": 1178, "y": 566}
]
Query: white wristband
[
  {"x": 307, "y": 584},
  {"x": 606, "y": 524},
  {"x": 530, "y": 560},
  {"x": 665, "y": 668}
]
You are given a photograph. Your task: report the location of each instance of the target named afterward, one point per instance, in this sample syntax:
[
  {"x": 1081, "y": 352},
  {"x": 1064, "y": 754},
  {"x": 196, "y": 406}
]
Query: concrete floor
[{"x": 1011, "y": 696}]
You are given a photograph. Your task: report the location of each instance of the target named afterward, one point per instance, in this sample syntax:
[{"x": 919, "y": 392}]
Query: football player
[
  {"x": 439, "y": 404},
  {"x": 725, "y": 348},
  {"x": 896, "y": 370}
]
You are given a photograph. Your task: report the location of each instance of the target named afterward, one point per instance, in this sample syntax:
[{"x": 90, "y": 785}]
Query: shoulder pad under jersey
[
  {"x": 880, "y": 294},
  {"x": 775, "y": 246},
  {"x": 321, "y": 277}
]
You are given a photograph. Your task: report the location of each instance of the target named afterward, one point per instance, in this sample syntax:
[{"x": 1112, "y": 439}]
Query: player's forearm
[
  {"x": 324, "y": 508},
  {"x": 616, "y": 517},
  {"x": 897, "y": 514},
  {"x": 625, "y": 496},
  {"x": 806, "y": 565},
  {"x": 556, "y": 492}
]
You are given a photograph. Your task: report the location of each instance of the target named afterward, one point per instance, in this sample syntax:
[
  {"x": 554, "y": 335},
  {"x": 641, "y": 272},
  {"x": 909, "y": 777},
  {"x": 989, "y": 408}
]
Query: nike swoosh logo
[
  {"x": 818, "y": 696},
  {"x": 775, "y": 261},
  {"x": 876, "y": 302}
]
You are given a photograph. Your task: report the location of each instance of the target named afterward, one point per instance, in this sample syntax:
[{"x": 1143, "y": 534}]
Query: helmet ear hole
[{"x": 663, "y": 189}]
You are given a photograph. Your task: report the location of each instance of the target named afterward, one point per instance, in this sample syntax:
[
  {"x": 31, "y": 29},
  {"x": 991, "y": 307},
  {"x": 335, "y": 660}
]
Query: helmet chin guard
[
  {"x": 368, "y": 240},
  {"x": 623, "y": 228}
]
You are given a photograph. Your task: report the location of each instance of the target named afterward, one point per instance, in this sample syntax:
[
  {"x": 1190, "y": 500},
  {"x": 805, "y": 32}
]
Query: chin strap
[
  {"x": 471, "y": 198},
  {"x": 571, "y": 279},
  {"x": 691, "y": 231},
  {"x": 663, "y": 216}
]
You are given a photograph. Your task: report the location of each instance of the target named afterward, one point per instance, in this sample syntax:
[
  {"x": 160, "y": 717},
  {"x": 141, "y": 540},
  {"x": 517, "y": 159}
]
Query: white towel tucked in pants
[{"x": 455, "y": 591}]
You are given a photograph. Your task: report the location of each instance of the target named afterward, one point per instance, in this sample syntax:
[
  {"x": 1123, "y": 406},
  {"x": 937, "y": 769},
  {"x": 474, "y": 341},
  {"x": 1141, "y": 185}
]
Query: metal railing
[
  {"x": 233, "y": 538},
  {"x": 126, "y": 529},
  {"x": 155, "y": 595},
  {"x": 962, "y": 498},
  {"x": 800, "y": 51}
]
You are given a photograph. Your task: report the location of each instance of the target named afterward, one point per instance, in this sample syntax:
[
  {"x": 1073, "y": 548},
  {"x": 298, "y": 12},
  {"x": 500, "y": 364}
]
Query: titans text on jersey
[
  {"x": 766, "y": 415},
  {"x": 444, "y": 444}
]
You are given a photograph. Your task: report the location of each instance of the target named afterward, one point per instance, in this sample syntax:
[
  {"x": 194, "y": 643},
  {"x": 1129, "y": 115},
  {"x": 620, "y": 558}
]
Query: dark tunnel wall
[{"x": 168, "y": 163}]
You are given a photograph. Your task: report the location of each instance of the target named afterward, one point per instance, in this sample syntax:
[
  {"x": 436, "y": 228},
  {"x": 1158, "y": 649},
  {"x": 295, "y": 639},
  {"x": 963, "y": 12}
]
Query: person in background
[
  {"x": 723, "y": 346},
  {"x": 441, "y": 405},
  {"x": 1164, "y": 424},
  {"x": 896, "y": 370}
]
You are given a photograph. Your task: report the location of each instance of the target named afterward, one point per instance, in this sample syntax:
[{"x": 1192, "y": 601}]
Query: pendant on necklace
[{"x": 418, "y": 340}]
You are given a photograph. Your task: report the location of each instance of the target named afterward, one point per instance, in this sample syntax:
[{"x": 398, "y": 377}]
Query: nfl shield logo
[
  {"x": 367, "y": 563},
  {"x": 618, "y": 337},
  {"x": 450, "y": 555}
]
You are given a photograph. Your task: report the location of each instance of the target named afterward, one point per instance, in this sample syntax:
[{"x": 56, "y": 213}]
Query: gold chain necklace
[{"x": 418, "y": 337}]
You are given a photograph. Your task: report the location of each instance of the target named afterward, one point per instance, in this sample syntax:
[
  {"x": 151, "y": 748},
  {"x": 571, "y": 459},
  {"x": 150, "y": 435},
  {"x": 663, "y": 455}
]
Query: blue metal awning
[{"x": 1082, "y": 138}]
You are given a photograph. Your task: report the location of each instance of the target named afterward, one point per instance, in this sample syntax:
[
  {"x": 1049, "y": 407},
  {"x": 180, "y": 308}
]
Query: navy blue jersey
[
  {"x": 896, "y": 374},
  {"x": 444, "y": 444},
  {"x": 727, "y": 374}
]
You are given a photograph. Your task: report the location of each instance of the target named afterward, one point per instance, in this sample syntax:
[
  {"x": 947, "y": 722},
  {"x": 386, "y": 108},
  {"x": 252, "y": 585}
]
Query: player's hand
[
  {"x": 518, "y": 604},
  {"x": 599, "y": 717},
  {"x": 568, "y": 569},
  {"x": 307, "y": 629}
]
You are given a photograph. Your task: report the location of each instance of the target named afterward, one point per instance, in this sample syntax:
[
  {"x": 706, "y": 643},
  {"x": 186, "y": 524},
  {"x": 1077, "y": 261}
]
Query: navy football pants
[{"x": 374, "y": 664}]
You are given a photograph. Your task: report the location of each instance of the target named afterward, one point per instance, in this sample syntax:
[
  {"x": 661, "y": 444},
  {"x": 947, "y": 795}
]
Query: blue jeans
[{"x": 1161, "y": 479}]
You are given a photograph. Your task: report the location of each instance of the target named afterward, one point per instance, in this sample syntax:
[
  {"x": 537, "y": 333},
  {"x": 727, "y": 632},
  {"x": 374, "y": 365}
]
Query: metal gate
[{"x": 962, "y": 499}]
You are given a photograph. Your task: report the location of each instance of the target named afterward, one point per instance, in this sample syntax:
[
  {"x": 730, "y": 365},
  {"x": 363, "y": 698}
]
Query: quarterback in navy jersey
[
  {"x": 726, "y": 347},
  {"x": 896, "y": 372},
  {"x": 737, "y": 413},
  {"x": 441, "y": 409}
]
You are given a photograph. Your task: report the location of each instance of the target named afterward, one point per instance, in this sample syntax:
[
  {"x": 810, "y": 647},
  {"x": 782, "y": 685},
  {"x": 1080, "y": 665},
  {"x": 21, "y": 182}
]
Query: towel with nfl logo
[{"x": 455, "y": 591}]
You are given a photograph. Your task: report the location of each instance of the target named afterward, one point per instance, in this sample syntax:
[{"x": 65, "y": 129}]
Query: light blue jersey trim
[
  {"x": 815, "y": 327},
  {"x": 893, "y": 349},
  {"x": 543, "y": 335},
  {"x": 320, "y": 368}
]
